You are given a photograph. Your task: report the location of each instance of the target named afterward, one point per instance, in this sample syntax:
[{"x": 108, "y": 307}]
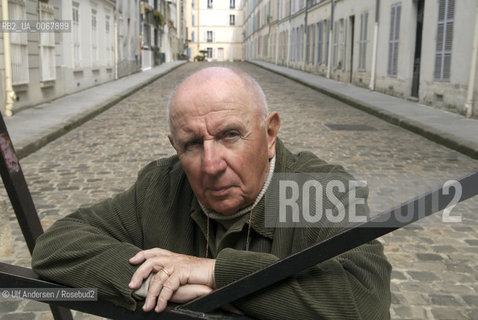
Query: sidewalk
[
  {"x": 446, "y": 128},
  {"x": 33, "y": 128}
]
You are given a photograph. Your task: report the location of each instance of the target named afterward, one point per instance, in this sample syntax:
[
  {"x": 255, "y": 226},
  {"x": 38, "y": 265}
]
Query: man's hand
[{"x": 176, "y": 277}]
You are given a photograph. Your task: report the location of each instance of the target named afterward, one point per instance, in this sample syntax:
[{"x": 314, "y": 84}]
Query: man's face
[{"x": 222, "y": 142}]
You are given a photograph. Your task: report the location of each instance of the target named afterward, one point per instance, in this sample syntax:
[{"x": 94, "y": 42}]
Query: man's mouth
[{"x": 219, "y": 192}]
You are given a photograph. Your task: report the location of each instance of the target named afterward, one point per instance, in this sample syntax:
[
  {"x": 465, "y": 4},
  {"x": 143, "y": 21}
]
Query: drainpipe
[
  {"x": 375, "y": 46},
  {"x": 115, "y": 24},
  {"x": 290, "y": 35},
  {"x": 471, "y": 81},
  {"x": 304, "y": 46},
  {"x": 9, "y": 93},
  {"x": 331, "y": 40}
]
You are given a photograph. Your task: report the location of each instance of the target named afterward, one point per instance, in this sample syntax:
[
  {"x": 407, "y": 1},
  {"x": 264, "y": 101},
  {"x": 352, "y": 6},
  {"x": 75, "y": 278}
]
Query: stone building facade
[
  {"x": 214, "y": 27},
  {"x": 415, "y": 49},
  {"x": 101, "y": 45}
]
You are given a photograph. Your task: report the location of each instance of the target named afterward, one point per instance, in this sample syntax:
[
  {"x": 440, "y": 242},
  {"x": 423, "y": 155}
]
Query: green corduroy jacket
[{"x": 91, "y": 248}]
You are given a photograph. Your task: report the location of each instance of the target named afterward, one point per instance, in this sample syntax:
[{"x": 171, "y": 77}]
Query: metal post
[
  {"x": 375, "y": 46},
  {"x": 9, "y": 93}
]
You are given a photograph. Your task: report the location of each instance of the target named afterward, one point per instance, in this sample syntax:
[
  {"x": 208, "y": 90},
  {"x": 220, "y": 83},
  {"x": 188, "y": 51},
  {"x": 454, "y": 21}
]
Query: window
[
  {"x": 209, "y": 4},
  {"x": 94, "y": 38},
  {"x": 319, "y": 49},
  {"x": 193, "y": 20},
  {"x": 343, "y": 43},
  {"x": 209, "y": 36},
  {"x": 76, "y": 35},
  {"x": 122, "y": 38},
  {"x": 18, "y": 46},
  {"x": 291, "y": 42},
  {"x": 363, "y": 41},
  {"x": 232, "y": 20},
  {"x": 110, "y": 43},
  {"x": 312, "y": 55},
  {"x": 307, "y": 44},
  {"x": 232, "y": 4},
  {"x": 209, "y": 53},
  {"x": 327, "y": 38},
  {"x": 47, "y": 45},
  {"x": 192, "y": 4},
  {"x": 192, "y": 36},
  {"x": 335, "y": 45},
  {"x": 301, "y": 42},
  {"x": 394, "y": 39},
  {"x": 446, "y": 12}
]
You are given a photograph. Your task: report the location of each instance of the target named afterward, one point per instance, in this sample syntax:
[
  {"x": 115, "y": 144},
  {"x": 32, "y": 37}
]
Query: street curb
[
  {"x": 468, "y": 148},
  {"x": 76, "y": 121}
]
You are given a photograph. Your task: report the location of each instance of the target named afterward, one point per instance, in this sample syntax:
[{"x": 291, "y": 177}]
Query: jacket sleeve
[
  {"x": 91, "y": 247},
  {"x": 354, "y": 285}
]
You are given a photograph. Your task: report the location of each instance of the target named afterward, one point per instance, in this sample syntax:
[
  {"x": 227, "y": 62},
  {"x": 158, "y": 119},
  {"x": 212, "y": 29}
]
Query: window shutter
[
  {"x": 312, "y": 58},
  {"x": 344, "y": 46},
  {"x": 327, "y": 38},
  {"x": 444, "y": 40},
  {"x": 394, "y": 39},
  {"x": 319, "y": 50}
]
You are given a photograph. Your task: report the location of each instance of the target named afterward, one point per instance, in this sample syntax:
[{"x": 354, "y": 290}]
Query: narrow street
[{"x": 435, "y": 269}]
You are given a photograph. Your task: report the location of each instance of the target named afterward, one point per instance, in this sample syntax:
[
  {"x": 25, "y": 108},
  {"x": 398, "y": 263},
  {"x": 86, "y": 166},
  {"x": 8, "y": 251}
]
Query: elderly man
[{"x": 195, "y": 221}]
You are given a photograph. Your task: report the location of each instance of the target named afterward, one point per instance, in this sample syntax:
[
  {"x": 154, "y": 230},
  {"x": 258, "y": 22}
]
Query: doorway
[
  {"x": 352, "y": 31},
  {"x": 220, "y": 54},
  {"x": 418, "y": 49}
]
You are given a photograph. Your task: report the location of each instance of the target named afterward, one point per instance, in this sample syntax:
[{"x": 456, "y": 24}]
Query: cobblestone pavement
[{"x": 435, "y": 269}]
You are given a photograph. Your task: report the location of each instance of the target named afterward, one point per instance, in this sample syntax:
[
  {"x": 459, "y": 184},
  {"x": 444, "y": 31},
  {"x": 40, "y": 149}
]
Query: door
[
  {"x": 352, "y": 44},
  {"x": 220, "y": 54},
  {"x": 418, "y": 49}
]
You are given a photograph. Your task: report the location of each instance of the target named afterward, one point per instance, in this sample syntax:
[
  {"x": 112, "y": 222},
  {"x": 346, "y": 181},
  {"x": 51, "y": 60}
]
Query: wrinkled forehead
[{"x": 212, "y": 86}]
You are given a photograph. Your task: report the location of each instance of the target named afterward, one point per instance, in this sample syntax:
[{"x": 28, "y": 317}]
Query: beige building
[
  {"x": 162, "y": 30},
  {"x": 214, "y": 27},
  {"x": 102, "y": 44},
  {"x": 410, "y": 49}
]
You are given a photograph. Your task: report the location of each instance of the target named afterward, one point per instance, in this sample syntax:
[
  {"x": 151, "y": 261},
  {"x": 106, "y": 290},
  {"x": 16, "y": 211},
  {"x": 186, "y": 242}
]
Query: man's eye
[
  {"x": 191, "y": 144},
  {"x": 231, "y": 135}
]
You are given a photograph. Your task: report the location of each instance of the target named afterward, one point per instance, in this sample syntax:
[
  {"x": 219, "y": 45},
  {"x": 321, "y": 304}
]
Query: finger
[
  {"x": 147, "y": 254},
  {"x": 189, "y": 292},
  {"x": 141, "y": 273},
  {"x": 169, "y": 287},
  {"x": 155, "y": 287}
]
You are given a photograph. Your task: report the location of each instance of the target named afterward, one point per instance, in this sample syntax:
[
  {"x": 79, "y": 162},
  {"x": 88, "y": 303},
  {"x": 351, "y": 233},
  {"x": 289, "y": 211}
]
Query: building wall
[
  {"x": 93, "y": 68},
  {"x": 128, "y": 40},
  {"x": 212, "y": 31},
  {"x": 401, "y": 84},
  {"x": 95, "y": 62},
  {"x": 451, "y": 94},
  {"x": 290, "y": 32}
]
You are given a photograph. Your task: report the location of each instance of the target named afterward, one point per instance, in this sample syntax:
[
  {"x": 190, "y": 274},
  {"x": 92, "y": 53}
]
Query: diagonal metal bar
[
  {"x": 21, "y": 200},
  {"x": 19, "y": 277},
  {"x": 348, "y": 239},
  {"x": 17, "y": 189}
]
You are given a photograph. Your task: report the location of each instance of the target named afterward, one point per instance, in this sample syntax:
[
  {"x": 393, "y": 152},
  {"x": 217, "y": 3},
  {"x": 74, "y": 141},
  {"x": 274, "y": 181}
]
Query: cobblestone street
[{"x": 435, "y": 264}]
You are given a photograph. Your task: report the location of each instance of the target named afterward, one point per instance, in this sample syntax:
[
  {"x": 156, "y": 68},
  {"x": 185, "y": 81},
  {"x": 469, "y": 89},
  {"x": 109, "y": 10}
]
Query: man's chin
[{"x": 225, "y": 208}]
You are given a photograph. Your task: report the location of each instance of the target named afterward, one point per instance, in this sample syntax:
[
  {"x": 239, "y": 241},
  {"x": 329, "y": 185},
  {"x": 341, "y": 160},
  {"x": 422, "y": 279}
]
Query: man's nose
[{"x": 213, "y": 161}]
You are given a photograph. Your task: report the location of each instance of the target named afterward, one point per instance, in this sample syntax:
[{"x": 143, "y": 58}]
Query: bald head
[{"x": 218, "y": 80}]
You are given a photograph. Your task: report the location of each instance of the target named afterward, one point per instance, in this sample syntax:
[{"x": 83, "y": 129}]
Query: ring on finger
[{"x": 166, "y": 272}]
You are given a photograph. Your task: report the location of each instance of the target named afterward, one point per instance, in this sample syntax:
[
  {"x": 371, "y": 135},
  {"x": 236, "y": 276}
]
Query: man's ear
[
  {"x": 171, "y": 141},
  {"x": 272, "y": 126}
]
